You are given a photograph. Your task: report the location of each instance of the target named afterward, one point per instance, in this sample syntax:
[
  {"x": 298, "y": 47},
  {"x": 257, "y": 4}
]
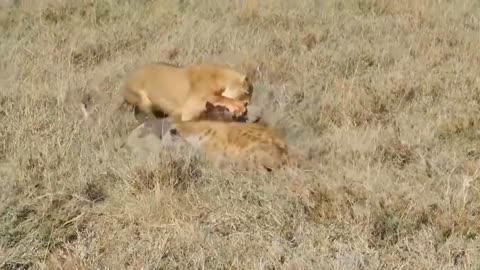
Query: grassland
[{"x": 383, "y": 95}]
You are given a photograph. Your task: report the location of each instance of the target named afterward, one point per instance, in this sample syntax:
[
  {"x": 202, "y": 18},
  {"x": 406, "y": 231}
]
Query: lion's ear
[{"x": 245, "y": 79}]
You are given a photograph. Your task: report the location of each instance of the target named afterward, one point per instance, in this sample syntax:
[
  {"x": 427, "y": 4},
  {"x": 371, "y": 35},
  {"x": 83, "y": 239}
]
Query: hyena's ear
[
  {"x": 209, "y": 106},
  {"x": 158, "y": 126}
]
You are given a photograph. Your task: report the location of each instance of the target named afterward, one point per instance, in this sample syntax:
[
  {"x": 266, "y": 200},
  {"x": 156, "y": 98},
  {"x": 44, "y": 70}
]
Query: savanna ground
[{"x": 384, "y": 96}]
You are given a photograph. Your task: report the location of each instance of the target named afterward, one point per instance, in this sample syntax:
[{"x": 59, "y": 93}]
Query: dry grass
[{"x": 383, "y": 95}]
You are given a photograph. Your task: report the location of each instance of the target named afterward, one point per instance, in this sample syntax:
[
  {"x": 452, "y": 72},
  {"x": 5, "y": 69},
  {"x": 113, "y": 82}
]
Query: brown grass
[{"x": 383, "y": 95}]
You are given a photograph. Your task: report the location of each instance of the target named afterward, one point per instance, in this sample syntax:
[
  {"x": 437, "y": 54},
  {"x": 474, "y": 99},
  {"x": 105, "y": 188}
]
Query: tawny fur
[
  {"x": 248, "y": 145},
  {"x": 182, "y": 92}
]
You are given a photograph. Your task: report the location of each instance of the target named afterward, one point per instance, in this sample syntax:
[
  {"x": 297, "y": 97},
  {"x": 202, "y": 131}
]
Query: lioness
[{"x": 162, "y": 90}]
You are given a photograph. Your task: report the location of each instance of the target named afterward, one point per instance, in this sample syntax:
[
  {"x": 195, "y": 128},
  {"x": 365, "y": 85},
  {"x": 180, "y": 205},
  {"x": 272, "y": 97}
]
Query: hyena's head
[
  {"x": 165, "y": 130},
  {"x": 221, "y": 113},
  {"x": 191, "y": 132}
]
